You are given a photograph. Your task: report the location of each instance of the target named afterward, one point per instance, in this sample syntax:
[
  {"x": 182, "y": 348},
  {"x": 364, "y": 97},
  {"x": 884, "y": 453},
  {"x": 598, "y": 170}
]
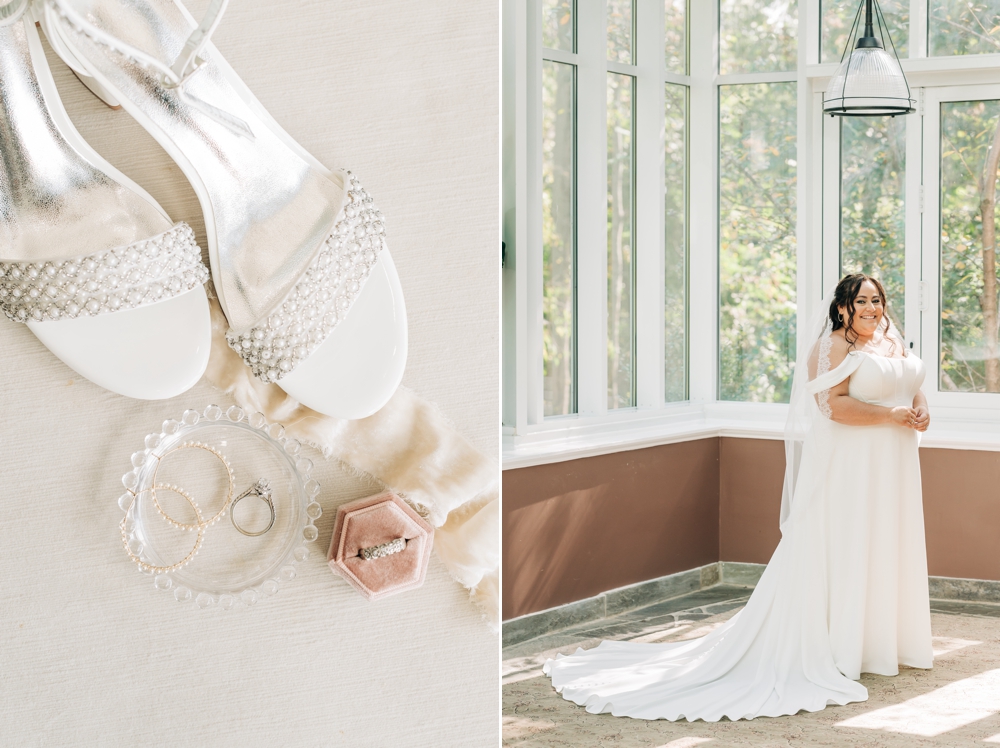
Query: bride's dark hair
[{"x": 844, "y": 295}]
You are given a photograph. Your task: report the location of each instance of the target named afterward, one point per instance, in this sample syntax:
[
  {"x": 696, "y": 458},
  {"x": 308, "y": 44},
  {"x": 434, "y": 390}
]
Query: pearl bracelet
[
  {"x": 225, "y": 505},
  {"x": 134, "y": 554},
  {"x": 200, "y": 524}
]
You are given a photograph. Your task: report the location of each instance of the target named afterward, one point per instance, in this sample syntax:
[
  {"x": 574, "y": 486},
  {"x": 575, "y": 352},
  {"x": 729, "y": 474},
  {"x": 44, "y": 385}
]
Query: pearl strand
[
  {"x": 143, "y": 566},
  {"x": 174, "y": 489}
]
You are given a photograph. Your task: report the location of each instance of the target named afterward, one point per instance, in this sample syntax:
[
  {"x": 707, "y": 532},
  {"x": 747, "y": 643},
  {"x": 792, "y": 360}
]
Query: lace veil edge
[{"x": 803, "y": 408}]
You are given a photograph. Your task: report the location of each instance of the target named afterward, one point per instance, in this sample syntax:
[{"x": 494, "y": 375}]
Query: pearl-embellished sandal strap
[
  {"x": 134, "y": 275},
  {"x": 323, "y": 295}
]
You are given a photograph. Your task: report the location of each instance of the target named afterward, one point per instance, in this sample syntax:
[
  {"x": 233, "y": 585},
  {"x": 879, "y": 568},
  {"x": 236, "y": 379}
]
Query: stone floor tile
[{"x": 966, "y": 642}]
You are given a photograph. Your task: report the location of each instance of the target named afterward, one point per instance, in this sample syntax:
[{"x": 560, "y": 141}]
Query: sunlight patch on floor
[
  {"x": 948, "y": 708},
  {"x": 943, "y": 644},
  {"x": 523, "y": 727},
  {"x": 524, "y": 668},
  {"x": 687, "y": 742},
  {"x": 657, "y": 635},
  {"x": 702, "y": 631}
]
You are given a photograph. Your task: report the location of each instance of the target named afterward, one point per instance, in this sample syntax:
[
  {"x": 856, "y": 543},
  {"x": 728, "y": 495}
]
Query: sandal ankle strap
[
  {"x": 189, "y": 61},
  {"x": 171, "y": 76}
]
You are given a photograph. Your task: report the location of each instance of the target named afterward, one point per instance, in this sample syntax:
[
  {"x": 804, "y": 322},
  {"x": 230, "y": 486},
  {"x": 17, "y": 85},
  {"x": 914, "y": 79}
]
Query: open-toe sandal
[
  {"x": 297, "y": 251},
  {"x": 88, "y": 260}
]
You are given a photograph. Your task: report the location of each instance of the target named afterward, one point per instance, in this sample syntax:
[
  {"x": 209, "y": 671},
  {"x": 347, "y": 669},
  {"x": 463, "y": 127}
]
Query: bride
[{"x": 846, "y": 589}]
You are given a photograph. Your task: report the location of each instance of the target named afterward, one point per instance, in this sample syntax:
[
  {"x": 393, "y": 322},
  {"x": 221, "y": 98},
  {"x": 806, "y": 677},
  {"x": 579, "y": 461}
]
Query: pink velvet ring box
[{"x": 373, "y": 522}]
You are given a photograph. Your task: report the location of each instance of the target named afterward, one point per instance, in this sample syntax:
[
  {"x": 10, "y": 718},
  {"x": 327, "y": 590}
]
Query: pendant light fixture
[{"x": 869, "y": 81}]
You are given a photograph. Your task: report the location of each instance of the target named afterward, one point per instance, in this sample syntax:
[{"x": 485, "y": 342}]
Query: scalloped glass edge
[{"x": 312, "y": 511}]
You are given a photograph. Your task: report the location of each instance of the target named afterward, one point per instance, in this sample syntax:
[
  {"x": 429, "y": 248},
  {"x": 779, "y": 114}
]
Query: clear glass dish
[{"x": 230, "y": 568}]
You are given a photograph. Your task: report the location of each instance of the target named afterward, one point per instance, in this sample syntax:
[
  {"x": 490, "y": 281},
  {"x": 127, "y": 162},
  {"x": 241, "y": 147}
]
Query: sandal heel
[
  {"x": 98, "y": 90},
  {"x": 73, "y": 63}
]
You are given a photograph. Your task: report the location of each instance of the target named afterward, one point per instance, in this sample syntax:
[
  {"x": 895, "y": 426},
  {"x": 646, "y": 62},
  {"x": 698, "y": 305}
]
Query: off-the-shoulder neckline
[
  {"x": 906, "y": 355},
  {"x": 847, "y": 359}
]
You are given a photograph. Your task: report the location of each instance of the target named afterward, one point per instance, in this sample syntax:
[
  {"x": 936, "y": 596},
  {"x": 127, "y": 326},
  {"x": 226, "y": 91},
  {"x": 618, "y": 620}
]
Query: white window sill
[{"x": 576, "y": 437}]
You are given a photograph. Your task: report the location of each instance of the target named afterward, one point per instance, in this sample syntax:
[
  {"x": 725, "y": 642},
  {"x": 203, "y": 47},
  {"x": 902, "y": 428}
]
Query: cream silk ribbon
[{"x": 411, "y": 449}]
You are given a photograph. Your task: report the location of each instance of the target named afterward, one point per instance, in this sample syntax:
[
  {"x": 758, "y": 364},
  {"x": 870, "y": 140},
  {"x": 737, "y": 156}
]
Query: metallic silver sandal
[
  {"x": 297, "y": 251},
  {"x": 88, "y": 260}
]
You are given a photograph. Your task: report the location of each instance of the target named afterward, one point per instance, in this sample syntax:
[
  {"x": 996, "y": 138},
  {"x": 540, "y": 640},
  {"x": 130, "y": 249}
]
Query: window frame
[
  {"x": 963, "y": 420},
  {"x": 523, "y": 406},
  {"x": 959, "y": 420},
  {"x": 633, "y": 221},
  {"x": 573, "y": 211},
  {"x": 929, "y": 292}
]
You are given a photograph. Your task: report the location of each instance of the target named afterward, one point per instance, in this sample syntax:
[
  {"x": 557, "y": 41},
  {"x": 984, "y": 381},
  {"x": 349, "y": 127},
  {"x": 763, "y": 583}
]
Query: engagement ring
[{"x": 260, "y": 490}]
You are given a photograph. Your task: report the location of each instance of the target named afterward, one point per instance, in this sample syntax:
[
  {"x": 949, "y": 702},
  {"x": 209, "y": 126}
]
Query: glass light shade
[{"x": 869, "y": 82}]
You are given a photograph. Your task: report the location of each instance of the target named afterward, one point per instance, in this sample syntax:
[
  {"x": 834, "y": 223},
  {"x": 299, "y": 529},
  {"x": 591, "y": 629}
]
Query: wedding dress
[{"x": 844, "y": 593}]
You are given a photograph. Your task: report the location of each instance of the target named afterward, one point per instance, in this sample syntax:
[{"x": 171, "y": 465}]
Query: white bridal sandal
[
  {"x": 88, "y": 261},
  {"x": 297, "y": 251}
]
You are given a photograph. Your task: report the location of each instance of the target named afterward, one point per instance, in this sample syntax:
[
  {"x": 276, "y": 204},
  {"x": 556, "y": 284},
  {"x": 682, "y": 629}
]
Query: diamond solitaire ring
[{"x": 260, "y": 490}]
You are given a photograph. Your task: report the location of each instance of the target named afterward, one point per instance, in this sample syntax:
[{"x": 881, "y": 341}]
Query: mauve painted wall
[
  {"x": 962, "y": 512},
  {"x": 575, "y": 529},
  {"x": 961, "y": 506},
  {"x": 751, "y": 472}
]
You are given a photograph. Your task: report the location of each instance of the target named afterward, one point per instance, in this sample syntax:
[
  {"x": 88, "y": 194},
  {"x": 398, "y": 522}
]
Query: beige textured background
[{"x": 406, "y": 95}]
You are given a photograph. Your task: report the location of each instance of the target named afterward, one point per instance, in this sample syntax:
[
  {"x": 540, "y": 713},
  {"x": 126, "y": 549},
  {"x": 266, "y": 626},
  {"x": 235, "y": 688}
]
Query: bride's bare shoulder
[{"x": 839, "y": 348}]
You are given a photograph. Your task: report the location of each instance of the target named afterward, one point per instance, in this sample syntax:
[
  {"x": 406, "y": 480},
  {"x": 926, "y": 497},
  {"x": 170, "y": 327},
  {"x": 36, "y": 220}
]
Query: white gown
[{"x": 844, "y": 593}]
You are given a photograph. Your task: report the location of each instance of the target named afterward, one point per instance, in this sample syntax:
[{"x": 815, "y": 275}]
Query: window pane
[
  {"x": 558, "y": 238},
  {"x": 557, "y": 24},
  {"x": 675, "y": 34},
  {"x": 621, "y": 269},
  {"x": 757, "y": 241},
  {"x": 964, "y": 27},
  {"x": 872, "y": 214},
  {"x": 757, "y": 36},
  {"x": 968, "y": 229},
  {"x": 838, "y": 16},
  {"x": 620, "y": 37},
  {"x": 675, "y": 244}
]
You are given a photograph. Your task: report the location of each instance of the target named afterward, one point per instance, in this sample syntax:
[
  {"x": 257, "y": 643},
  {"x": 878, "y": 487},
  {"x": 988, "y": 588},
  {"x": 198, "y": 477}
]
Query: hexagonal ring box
[{"x": 380, "y": 545}]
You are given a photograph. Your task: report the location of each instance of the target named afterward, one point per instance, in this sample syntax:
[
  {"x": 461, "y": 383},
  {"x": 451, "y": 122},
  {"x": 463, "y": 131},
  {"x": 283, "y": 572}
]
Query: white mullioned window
[
  {"x": 675, "y": 203},
  {"x": 912, "y": 200},
  {"x": 758, "y": 55}
]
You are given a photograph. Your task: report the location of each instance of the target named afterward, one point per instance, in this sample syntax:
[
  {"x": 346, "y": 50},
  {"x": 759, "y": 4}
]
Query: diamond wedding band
[
  {"x": 386, "y": 549},
  {"x": 260, "y": 490}
]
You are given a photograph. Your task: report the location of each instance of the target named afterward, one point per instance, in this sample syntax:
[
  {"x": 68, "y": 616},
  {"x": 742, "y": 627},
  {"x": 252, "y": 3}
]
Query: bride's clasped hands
[{"x": 916, "y": 418}]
